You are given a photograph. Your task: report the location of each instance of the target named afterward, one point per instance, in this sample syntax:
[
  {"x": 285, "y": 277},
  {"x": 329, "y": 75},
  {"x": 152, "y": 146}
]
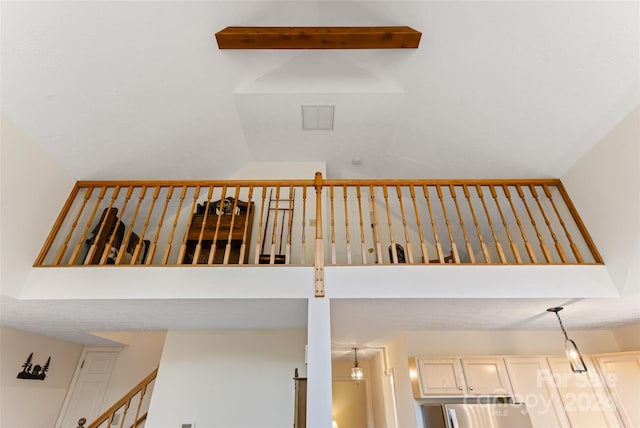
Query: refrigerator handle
[{"x": 452, "y": 418}]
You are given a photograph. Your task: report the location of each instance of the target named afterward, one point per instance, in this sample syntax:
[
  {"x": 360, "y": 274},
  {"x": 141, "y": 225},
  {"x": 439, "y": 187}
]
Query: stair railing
[{"x": 120, "y": 413}]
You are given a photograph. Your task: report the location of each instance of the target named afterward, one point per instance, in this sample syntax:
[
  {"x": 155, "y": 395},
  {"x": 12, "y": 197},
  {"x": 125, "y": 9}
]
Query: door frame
[{"x": 76, "y": 375}]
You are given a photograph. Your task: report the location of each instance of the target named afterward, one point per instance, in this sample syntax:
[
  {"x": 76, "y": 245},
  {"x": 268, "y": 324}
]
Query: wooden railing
[
  {"x": 318, "y": 222},
  {"x": 120, "y": 414}
]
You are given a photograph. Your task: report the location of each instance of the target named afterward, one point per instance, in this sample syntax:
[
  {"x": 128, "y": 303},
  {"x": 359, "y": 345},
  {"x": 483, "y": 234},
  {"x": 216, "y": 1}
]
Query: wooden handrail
[
  {"x": 125, "y": 402},
  {"x": 114, "y": 223}
]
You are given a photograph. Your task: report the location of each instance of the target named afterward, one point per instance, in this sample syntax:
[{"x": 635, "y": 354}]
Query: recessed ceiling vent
[{"x": 317, "y": 118}]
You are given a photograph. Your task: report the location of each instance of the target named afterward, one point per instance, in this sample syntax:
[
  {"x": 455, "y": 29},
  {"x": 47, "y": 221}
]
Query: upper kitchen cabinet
[
  {"x": 486, "y": 376},
  {"x": 459, "y": 377},
  {"x": 436, "y": 377},
  {"x": 583, "y": 395},
  {"x": 621, "y": 375},
  {"x": 534, "y": 385}
]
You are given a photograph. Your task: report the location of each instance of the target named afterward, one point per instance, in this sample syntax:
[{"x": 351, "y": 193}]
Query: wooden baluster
[
  {"x": 304, "y": 225},
  {"x": 274, "y": 235},
  {"x": 483, "y": 246},
  {"x": 154, "y": 244},
  {"x": 404, "y": 226},
  {"x": 333, "y": 225},
  {"x": 243, "y": 246},
  {"x": 143, "y": 392},
  {"x": 376, "y": 234},
  {"x": 319, "y": 249},
  {"x": 597, "y": 258},
  {"x": 287, "y": 253},
  {"x": 93, "y": 248},
  {"x": 124, "y": 414},
  {"x": 203, "y": 226},
  {"x": 65, "y": 245},
  {"x": 183, "y": 247},
  {"x": 394, "y": 250},
  {"x": 108, "y": 415},
  {"x": 556, "y": 243},
  {"x": 496, "y": 240},
  {"x": 425, "y": 191},
  {"x": 214, "y": 244},
  {"x": 514, "y": 247},
  {"x": 363, "y": 244},
  {"x": 107, "y": 247},
  {"x": 136, "y": 251},
  {"x": 527, "y": 245},
  {"x": 125, "y": 242},
  {"x": 346, "y": 221},
  {"x": 167, "y": 250},
  {"x": 543, "y": 246},
  {"x": 259, "y": 242},
  {"x": 76, "y": 251},
  {"x": 423, "y": 245},
  {"x": 472, "y": 256},
  {"x": 572, "y": 245},
  {"x": 227, "y": 250}
]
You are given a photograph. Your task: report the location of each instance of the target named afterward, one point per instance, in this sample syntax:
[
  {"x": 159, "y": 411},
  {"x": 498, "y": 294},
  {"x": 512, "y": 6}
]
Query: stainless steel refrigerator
[{"x": 476, "y": 415}]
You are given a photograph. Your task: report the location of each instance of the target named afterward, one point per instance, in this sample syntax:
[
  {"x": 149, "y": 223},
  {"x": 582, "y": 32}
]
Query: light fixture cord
[
  {"x": 562, "y": 326},
  {"x": 355, "y": 350}
]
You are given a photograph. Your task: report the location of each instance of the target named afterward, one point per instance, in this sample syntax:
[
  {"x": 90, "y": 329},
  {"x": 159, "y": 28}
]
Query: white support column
[{"x": 319, "y": 364}]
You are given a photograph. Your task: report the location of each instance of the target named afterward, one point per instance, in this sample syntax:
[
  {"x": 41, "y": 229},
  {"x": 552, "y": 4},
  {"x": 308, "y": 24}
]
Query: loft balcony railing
[{"x": 318, "y": 222}]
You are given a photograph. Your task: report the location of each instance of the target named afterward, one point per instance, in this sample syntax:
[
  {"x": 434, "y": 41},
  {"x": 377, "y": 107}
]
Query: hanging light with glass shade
[
  {"x": 570, "y": 347},
  {"x": 356, "y": 370}
]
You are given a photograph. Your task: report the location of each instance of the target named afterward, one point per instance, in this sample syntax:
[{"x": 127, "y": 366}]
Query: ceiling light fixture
[
  {"x": 356, "y": 370},
  {"x": 570, "y": 347}
]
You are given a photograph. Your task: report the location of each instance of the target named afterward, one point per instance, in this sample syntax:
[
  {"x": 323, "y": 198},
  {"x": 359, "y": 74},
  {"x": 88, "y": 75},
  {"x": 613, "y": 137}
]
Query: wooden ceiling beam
[{"x": 318, "y": 38}]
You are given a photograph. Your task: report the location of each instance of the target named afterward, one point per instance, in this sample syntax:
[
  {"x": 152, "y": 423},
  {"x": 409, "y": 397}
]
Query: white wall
[
  {"x": 376, "y": 379},
  {"x": 42, "y": 185},
  {"x": 227, "y": 378},
  {"x": 398, "y": 362},
  {"x": 280, "y": 170},
  {"x": 628, "y": 337},
  {"x": 27, "y": 402},
  {"x": 136, "y": 360},
  {"x": 519, "y": 342},
  {"x": 345, "y": 394},
  {"x": 605, "y": 188}
]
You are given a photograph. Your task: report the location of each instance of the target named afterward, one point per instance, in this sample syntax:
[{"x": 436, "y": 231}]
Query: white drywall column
[{"x": 319, "y": 363}]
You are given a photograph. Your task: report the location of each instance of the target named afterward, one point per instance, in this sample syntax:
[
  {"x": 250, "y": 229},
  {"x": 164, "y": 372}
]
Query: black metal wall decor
[{"x": 31, "y": 371}]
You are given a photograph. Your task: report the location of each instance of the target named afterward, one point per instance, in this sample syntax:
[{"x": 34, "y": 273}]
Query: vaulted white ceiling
[{"x": 496, "y": 89}]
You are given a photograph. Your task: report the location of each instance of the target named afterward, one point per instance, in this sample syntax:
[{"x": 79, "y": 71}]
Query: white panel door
[
  {"x": 621, "y": 375},
  {"x": 533, "y": 385},
  {"x": 90, "y": 388},
  {"x": 583, "y": 396}
]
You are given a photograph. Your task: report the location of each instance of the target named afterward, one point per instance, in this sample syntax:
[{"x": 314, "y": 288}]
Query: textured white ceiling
[{"x": 140, "y": 90}]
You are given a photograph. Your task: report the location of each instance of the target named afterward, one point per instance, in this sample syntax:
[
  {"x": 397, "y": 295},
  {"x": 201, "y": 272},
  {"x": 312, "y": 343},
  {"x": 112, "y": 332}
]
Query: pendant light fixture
[
  {"x": 570, "y": 347},
  {"x": 356, "y": 370}
]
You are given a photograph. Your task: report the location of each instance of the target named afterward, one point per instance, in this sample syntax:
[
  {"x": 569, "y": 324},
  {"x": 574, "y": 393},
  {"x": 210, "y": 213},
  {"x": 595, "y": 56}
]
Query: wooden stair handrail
[{"x": 109, "y": 413}]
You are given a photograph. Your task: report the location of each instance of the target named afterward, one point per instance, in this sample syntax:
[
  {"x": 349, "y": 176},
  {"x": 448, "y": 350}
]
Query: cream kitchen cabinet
[
  {"x": 459, "y": 377},
  {"x": 534, "y": 386},
  {"x": 440, "y": 377},
  {"x": 486, "y": 376},
  {"x": 620, "y": 374},
  {"x": 584, "y": 397}
]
